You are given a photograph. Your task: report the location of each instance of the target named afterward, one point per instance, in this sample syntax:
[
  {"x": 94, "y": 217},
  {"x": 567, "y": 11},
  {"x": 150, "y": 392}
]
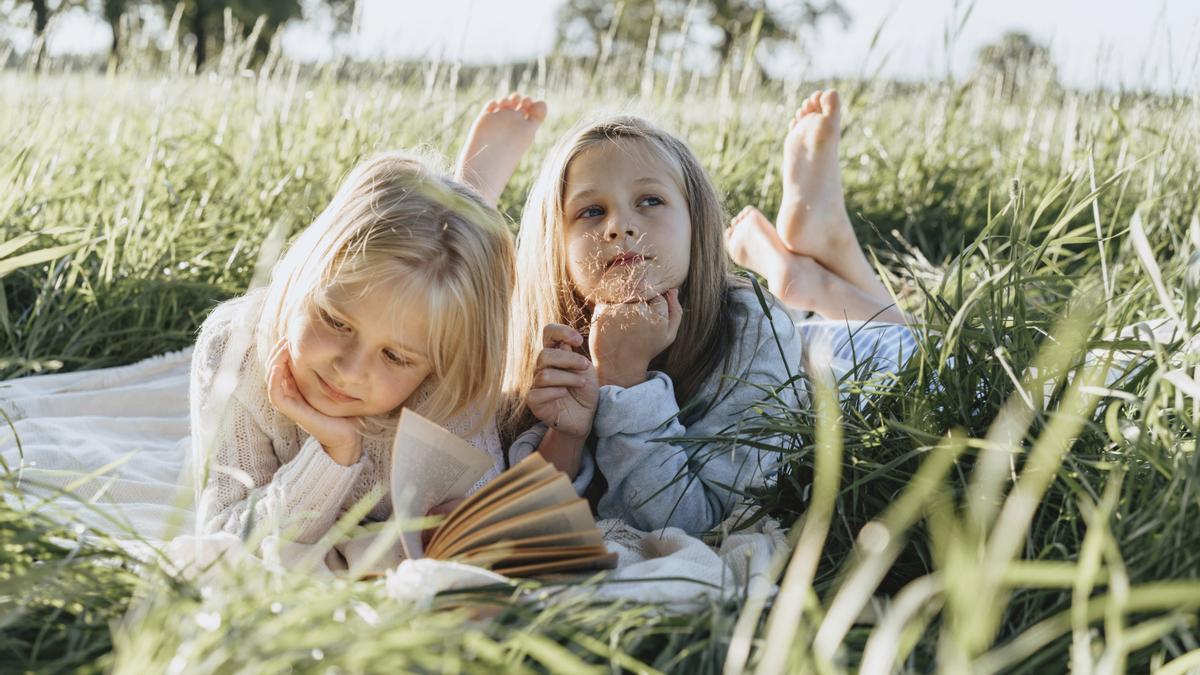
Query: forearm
[
  {"x": 654, "y": 485},
  {"x": 304, "y": 496}
]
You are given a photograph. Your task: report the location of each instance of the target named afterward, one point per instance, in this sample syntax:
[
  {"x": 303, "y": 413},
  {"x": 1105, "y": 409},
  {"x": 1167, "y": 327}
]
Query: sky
[{"x": 1133, "y": 43}]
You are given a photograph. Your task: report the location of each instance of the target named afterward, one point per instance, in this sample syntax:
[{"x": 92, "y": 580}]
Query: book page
[
  {"x": 602, "y": 561},
  {"x": 500, "y": 489},
  {"x": 569, "y": 517},
  {"x": 430, "y": 465},
  {"x": 511, "y": 558},
  {"x": 590, "y": 537},
  {"x": 471, "y": 511},
  {"x": 550, "y": 492}
]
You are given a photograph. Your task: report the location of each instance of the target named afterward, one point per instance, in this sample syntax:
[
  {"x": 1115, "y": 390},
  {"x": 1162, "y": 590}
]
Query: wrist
[
  {"x": 345, "y": 454},
  {"x": 627, "y": 376},
  {"x": 563, "y": 450},
  {"x": 566, "y": 439}
]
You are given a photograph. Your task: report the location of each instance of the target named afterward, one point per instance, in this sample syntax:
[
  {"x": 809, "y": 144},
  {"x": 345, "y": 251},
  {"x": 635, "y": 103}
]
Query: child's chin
[
  {"x": 617, "y": 294},
  {"x": 333, "y": 409}
]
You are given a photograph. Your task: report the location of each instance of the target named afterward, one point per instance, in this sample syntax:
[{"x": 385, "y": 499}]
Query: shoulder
[
  {"x": 760, "y": 322},
  {"x": 229, "y": 326}
]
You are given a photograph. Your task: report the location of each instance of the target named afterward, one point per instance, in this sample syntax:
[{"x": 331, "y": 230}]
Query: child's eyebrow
[
  {"x": 585, "y": 194},
  {"x": 353, "y": 321},
  {"x": 582, "y": 194}
]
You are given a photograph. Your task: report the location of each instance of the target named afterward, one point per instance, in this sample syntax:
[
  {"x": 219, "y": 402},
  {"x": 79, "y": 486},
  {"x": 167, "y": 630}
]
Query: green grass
[{"x": 1005, "y": 511}]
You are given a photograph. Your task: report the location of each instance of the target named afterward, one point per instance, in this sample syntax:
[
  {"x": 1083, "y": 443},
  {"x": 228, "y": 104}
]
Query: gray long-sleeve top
[{"x": 655, "y": 481}]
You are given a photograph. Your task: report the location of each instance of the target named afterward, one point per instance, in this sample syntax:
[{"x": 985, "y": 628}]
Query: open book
[{"x": 526, "y": 521}]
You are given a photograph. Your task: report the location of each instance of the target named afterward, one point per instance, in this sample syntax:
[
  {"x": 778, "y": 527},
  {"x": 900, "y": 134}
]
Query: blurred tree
[
  {"x": 112, "y": 11},
  {"x": 584, "y": 25},
  {"x": 42, "y": 11},
  {"x": 204, "y": 19},
  {"x": 1015, "y": 62}
]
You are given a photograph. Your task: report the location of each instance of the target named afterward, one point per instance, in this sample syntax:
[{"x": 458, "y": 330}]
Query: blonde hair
[
  {"x": 396, "y": 221},
  {"x": 544, "y": 292}
]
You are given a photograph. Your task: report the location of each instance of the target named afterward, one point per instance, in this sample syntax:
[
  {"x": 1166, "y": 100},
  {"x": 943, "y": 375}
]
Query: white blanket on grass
[{"x": 108, "y": 448}]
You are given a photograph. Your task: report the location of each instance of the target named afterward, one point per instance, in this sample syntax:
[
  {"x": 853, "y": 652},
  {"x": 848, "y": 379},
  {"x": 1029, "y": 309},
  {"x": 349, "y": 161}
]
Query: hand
[
  {"x": 565, "y": 389},
  {"x": 440, "y": 510},
  {"x": 626, "y": 337},
  {"x": 337, "y": 435}
]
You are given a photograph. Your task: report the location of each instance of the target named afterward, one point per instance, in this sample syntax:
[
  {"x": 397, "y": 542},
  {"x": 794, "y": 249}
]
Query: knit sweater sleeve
[
  {"x": 662, "y": 466},
  {"x": 237, "y": 438}
]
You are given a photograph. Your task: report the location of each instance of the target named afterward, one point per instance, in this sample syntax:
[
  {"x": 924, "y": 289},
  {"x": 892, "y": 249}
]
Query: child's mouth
[
  {"x": 333, "y": 392},
  {"x": 626, "y": 259}
]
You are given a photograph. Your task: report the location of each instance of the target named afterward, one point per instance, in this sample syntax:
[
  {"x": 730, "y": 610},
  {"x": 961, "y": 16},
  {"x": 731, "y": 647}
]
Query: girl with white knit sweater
[{"x": 396, "y": 296}]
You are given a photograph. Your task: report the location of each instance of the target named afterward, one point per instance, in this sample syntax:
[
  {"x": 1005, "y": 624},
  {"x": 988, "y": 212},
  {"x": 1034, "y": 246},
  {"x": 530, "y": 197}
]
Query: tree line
[{"x": 585, "y": 27}]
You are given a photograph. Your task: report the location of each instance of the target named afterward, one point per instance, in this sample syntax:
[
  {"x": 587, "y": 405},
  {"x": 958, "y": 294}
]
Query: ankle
[{"x": 802, "y": 282}]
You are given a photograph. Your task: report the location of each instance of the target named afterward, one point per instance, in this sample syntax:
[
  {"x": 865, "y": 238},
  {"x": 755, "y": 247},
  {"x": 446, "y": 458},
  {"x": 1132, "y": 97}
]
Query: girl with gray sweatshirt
[{"x": 630, "y": 340}]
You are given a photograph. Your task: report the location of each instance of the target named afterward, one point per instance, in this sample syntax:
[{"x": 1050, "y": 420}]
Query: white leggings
[{"x": 859, "y": 348}]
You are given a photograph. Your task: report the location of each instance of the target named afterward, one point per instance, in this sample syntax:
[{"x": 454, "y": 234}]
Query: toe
[
  {"x": 537, "y": 111},
  {"x": 830, "y": 103},
  {"x": 812, "y": 103}
]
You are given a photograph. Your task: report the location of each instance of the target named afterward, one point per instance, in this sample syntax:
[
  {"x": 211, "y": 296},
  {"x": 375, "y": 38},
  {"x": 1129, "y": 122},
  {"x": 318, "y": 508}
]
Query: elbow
[{"x": 695, "y": 519}]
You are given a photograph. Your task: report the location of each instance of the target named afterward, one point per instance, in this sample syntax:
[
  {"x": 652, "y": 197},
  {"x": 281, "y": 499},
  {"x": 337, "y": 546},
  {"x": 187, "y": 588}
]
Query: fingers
[
  {"x": 553, "y": 377},
  {"x": 556, "y": 335},
  {"x": 277, "y": 366},
  {"x": 562, "y": 359},
  {"x": 662, "y": 310},
  {"x": 674, "y": 313},
  {"x": 545, "y": 395}
]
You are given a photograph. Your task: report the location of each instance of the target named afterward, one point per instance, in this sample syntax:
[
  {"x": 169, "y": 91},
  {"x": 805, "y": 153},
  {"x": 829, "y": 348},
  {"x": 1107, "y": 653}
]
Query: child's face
[
  {"x": 357, "y": 355},
  {"x": 626, "y": 224}
]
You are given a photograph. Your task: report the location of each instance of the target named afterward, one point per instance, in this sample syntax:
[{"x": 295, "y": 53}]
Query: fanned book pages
[{"x": 526, "y": 521}]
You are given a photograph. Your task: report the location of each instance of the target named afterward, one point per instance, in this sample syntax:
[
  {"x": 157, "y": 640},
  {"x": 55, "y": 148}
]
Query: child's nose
[
  {"x": 618, "y": 227},
  {"x": 351, "y": 365}
]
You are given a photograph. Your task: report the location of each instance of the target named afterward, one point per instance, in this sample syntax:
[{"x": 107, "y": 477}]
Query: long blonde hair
[
  {"x": 544, "y": 292},
  {"x": 433, "y": 241}
]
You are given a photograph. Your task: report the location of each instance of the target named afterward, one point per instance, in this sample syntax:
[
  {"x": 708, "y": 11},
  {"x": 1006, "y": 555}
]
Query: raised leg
[{"x": 498, "y": 139}]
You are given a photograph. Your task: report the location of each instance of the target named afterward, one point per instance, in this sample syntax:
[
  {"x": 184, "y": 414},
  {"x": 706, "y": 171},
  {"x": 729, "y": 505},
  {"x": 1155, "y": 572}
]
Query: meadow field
[{"x": 1000, "y": 505}]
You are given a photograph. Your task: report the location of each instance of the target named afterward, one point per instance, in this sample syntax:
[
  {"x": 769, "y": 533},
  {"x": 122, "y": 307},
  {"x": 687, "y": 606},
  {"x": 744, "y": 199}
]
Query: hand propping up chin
[
  {"x": 625, "y": 337},
  {"x": 339, "y": 436}
]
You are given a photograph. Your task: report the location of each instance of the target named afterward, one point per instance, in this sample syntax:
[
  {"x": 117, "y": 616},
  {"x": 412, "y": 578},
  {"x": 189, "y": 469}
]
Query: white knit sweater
[{"x": 262, "y": 467}]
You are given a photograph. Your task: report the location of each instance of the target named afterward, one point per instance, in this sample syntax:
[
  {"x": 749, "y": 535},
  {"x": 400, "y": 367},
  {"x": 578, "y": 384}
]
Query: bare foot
[
  {"x": 812, "y": 218},
  {"x": 498, "y": 138},
  {"x": 800, "y": 281},
  {"x": 797, "y": 280}
]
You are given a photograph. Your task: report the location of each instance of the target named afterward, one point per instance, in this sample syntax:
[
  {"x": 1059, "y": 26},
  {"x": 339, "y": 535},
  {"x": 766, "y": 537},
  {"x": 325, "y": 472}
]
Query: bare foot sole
[
  {"x": 812, "y": 218},
  {"x": 798, "y": 280},
  {"x": 498, "y": 139}
]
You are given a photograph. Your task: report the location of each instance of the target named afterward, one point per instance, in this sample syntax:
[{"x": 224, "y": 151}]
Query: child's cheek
[
  {"x": 309, "y": 352},
  {"x": 583, "y": 268}
]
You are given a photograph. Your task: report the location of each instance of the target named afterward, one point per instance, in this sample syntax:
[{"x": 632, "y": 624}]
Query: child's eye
[
  {"x": 332, "y": 322},
  {"x": 396, "y": 359},
  {"x": 590, "y": 212},
  {"x": 650, "y": 201}
]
